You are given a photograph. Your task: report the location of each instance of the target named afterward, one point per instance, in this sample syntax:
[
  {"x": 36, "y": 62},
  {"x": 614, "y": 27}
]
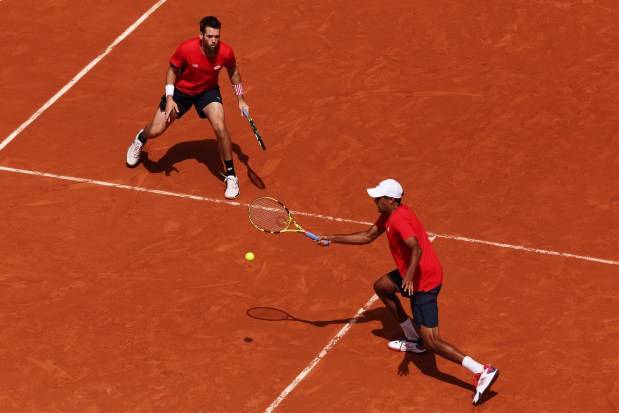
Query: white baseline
[{"x": 320, "y": 355}]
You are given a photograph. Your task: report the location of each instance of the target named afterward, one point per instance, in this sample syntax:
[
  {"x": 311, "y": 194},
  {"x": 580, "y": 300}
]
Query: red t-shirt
[
  {"x": 199, "y": 73},
  {"x": 401, "y": 225}
]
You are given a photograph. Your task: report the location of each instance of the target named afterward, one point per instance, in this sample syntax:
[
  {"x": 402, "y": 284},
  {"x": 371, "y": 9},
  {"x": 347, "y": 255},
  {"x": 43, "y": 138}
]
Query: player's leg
[
  {"x": 433, "y": 341},
  {"x": 424, "y": 305},
  {"x": 158, "y": 124},
  {"x": 154, "y": 129},
  {"x": 425, "y": 313},
  {"x": 386, "y": 289},
  {"x": 215, "y": 114},
  {"x": 210, "y": 106}
]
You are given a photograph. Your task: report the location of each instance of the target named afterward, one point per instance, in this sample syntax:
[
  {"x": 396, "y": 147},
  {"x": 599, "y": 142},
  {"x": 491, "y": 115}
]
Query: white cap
[{"x": 388, "y": 187}]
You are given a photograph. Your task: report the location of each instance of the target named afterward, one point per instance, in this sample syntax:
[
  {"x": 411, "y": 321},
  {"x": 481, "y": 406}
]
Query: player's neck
[{"x": 392, "y": 209}]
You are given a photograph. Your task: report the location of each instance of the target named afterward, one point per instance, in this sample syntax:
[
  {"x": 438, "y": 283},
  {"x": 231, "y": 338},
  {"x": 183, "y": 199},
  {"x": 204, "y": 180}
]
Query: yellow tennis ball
[{"x": 249, "y": 256}]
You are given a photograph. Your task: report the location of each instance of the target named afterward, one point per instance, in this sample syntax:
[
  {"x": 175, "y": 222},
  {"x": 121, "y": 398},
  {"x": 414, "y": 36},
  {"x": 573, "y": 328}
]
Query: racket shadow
[
  {"x": 276, "y": 314},
  {"x": 206, "y": 152}
]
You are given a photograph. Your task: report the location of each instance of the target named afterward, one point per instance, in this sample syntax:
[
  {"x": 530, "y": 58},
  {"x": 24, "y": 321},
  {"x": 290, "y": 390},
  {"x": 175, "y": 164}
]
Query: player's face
[
  {"x": 380, "y": 204},
  {"x": 384, "y": 204},
  {"x": 210, "y": 38}
]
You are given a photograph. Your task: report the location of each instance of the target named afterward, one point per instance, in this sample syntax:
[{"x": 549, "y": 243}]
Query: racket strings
[{"x": 269, "y": 215}]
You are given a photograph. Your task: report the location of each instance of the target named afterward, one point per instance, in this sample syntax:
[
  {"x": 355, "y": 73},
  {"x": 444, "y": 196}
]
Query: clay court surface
[{"x": 126, "y": 290}]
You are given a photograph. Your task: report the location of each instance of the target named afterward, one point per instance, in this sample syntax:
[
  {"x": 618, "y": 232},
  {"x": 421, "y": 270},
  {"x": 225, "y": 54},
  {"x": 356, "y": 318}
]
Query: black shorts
[
  {"x": 184, "y": 101},
  {"x": 424, "y": 304}
]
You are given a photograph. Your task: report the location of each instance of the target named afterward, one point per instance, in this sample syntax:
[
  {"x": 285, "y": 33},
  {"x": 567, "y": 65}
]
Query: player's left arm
[
  {"x": 235, "y": 78},
  {"x": 416, "y": 251}
]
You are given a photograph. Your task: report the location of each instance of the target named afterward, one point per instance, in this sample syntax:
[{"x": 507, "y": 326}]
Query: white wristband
[
  {"x": 169, "y": 90},
  {"x": 238, "y": 89}
]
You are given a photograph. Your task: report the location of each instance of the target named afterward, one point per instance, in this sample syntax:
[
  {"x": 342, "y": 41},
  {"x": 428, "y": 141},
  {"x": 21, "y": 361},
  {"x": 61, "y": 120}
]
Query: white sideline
[
  {"x": 79, "y": 75},
  {"x": 298, "y": 213},
  {"x": 320, "y": 356}
]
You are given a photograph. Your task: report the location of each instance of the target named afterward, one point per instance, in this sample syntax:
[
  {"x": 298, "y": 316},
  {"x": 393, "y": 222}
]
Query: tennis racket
[
  {"x": 255, "y": 129},
  {"x": 269, "y": 215}
]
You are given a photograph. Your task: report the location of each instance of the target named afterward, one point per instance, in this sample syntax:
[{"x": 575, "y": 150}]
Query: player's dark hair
[{"x": 209, "y": 21}]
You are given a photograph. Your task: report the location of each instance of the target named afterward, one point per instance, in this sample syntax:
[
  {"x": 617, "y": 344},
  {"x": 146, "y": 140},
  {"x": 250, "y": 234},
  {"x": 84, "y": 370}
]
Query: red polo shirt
[
  {"x": 401, "y": 225},
  {"x": 199, "y": 73}
]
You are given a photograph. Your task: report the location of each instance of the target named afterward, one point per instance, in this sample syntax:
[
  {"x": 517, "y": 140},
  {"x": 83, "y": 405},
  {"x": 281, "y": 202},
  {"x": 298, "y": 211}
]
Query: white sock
[
  {"x": 409, "y": 330},
  {"x": 472, "y": 365}
]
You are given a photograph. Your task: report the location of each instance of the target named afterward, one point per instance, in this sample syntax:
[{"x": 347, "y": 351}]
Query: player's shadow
[
  {"x": 426, "y": 363},
  {"x": 380, "y": 314},
  {"x": 276, "y": 314},
  {"x": 204, "y": 151},
  {"x": 389, "y": 330}
]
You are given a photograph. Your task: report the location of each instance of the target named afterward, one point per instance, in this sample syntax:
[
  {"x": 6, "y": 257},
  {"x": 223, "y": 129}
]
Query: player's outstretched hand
[{"x": 324, "y": 240}]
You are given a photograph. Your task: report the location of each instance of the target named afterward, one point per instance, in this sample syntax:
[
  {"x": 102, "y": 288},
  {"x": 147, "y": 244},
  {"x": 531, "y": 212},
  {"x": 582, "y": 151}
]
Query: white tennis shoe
[
  {"x": 135, "y": 151},
  {"x": 484, "y": 381},
  {"x": 232, "y": 187},
  {"x": 404, "y": 344}
]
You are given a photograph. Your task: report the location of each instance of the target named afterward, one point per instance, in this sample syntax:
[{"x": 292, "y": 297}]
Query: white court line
[
  {"x": 119, "y": 186},
  {"x": 478, "y": 241},
  {"x": 307, "y": 214},
  {"x": 517, "y": 247},
  {"x": 79, "y": 75},
  {"x": 320, "y": 356}
]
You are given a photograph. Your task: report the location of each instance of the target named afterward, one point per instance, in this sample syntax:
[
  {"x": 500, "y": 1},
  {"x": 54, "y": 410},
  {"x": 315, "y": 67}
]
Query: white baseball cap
[{"x": 388, "y": 187}]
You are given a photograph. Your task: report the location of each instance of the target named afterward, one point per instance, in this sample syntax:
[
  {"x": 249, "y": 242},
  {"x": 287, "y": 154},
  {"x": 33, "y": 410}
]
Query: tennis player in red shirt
[
  {"x": 192, "y": 80},
  {"x": 419, "y": 277}
]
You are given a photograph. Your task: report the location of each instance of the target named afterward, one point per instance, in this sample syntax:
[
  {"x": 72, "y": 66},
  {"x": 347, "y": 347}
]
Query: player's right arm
[
  {"x": 170, "y": 79},
  {"x": 355, "y": 238}
]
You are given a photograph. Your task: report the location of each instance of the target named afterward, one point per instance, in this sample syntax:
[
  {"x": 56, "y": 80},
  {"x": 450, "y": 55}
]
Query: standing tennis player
[
  {"x": 192, "y": 80},
  {"x": 418, "y": 276}
]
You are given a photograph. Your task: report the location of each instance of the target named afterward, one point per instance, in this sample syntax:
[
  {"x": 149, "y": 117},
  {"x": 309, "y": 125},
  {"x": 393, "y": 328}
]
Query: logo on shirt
[
  {"x": 194, "y": 65},
  {"x": 217, "y": 67}
]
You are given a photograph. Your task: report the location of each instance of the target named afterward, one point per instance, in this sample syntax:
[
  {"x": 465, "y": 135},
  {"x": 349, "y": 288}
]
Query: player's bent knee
[
  {"x": 384, "y": 286},
  {"x": 429, "y": 342},
  {"x": 430, "y": 345},
  {"x": 153, "y": 131},
  {"x": 221, "y": 132}
]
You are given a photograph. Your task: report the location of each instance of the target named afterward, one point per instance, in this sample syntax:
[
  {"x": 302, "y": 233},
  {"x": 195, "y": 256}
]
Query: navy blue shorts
[
  {"x": 424, "y": 304},
  {"x": 185, "y": 102}
]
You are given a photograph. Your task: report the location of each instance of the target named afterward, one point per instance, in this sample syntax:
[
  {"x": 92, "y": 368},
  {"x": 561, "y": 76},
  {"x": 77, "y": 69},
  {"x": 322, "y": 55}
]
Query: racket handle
[
  {"x": 246, "y": 113},
  {"x": 315, "y": 237}
]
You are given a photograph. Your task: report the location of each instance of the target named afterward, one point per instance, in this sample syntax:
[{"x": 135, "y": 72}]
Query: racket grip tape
[
  {"x": 315, "y": 237},
  {"x": 246, "y": 113}
]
